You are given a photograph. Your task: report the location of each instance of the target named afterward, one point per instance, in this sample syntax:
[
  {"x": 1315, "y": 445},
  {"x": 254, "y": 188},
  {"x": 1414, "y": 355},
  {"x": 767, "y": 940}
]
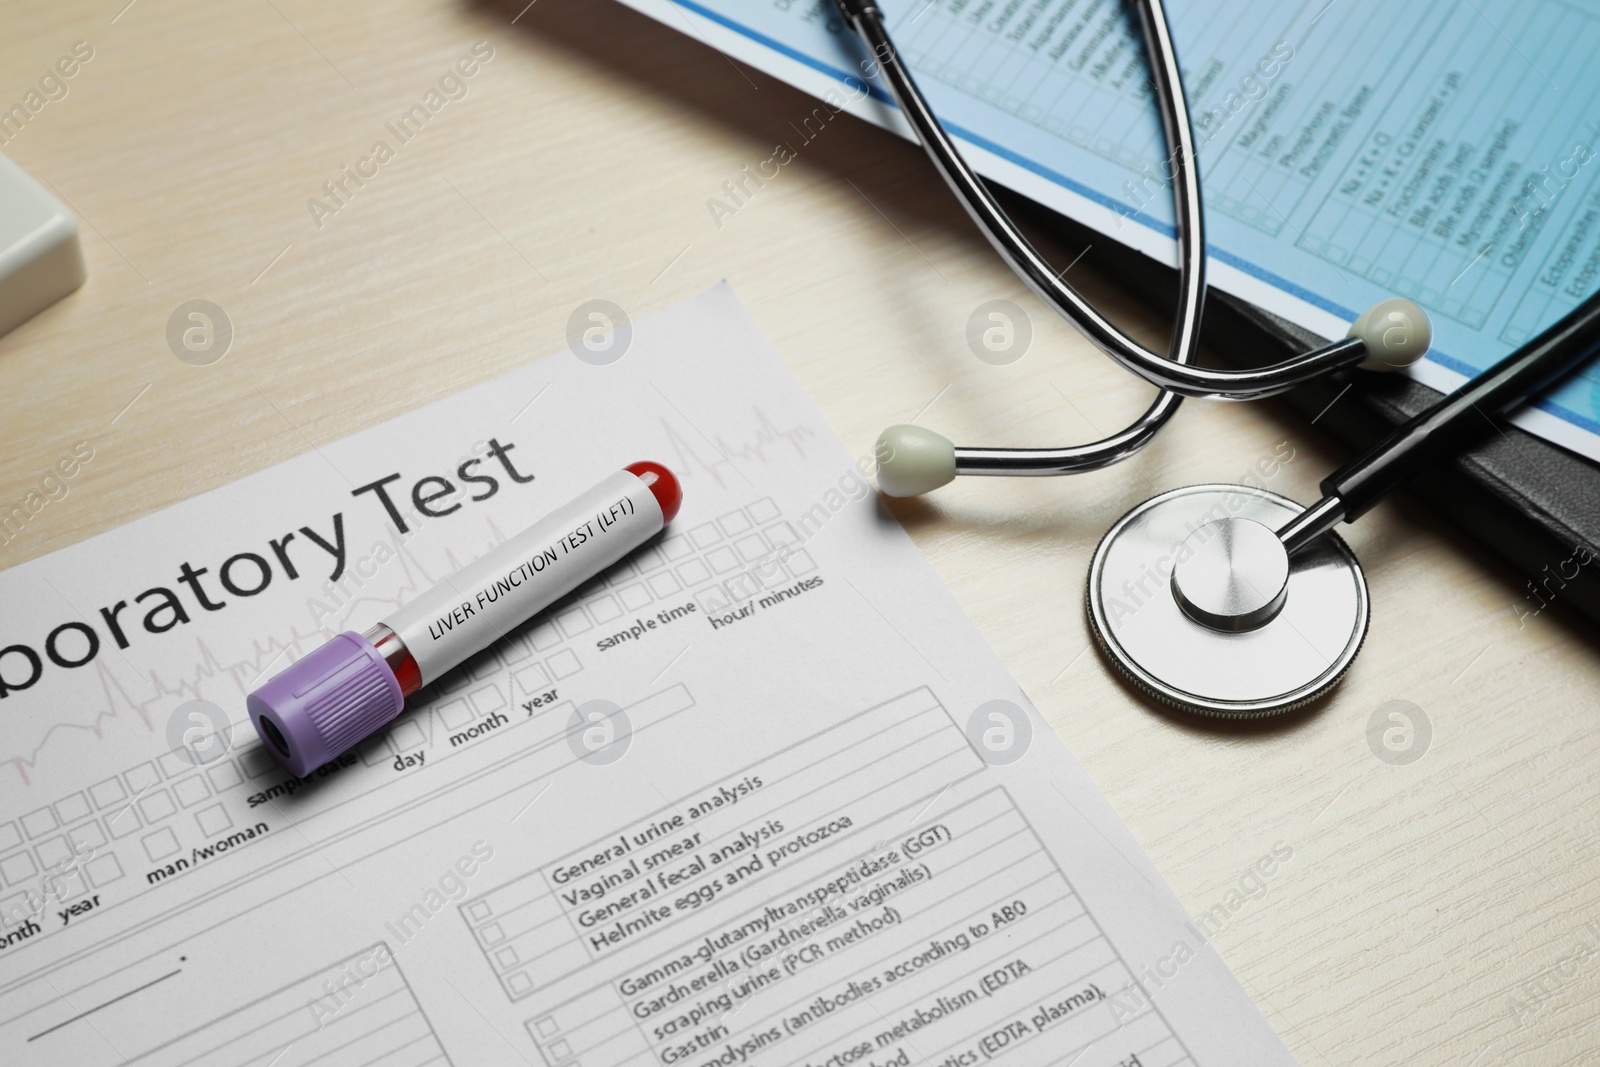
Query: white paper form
[{"x": 759, "y": 795}]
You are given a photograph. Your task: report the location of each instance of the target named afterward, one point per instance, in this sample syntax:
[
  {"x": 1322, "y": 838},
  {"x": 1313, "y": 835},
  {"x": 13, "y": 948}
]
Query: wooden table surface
[{"x": 1441, "y": 911}]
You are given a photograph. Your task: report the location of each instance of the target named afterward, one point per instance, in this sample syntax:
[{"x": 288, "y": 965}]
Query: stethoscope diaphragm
[{"x": 1314, "y": 631}]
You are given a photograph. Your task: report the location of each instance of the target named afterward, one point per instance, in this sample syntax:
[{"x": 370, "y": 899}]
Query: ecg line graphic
[{"x": 767, "y": 434}]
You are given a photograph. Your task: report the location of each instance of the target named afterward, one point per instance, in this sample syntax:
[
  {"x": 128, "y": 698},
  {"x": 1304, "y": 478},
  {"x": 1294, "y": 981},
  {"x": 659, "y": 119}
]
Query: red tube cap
[{"x": 663, "y": 484}]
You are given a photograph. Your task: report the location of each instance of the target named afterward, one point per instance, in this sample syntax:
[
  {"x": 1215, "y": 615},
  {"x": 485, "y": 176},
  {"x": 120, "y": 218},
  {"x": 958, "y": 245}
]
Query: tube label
[{"x": 493, "y": 595}]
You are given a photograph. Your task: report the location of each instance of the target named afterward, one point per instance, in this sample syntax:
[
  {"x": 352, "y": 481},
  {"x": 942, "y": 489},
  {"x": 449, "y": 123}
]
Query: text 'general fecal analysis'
[{"x": 830, "y": 905}]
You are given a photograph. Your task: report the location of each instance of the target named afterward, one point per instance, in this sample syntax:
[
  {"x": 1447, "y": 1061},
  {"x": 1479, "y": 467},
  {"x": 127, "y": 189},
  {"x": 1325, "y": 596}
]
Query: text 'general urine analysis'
[{"x": 818, "y": 909}]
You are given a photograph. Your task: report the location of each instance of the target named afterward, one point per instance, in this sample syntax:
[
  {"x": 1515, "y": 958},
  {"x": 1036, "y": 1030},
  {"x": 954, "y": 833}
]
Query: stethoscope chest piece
[{"x": 1193, "y": 598}]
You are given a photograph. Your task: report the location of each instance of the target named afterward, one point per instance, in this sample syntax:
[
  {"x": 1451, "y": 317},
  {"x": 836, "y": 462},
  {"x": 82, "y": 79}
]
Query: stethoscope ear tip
[
  {"x": 1397, "y": 333},
  {"x": 913, "y": 461}
]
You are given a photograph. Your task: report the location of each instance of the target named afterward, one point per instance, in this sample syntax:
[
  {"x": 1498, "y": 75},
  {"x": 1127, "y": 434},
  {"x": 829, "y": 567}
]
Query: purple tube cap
[{"x": 325, "y": 703}]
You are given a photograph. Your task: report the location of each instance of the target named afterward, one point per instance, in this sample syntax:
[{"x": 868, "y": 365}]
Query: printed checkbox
[
  {"x": 544, "y": 636},
  {"x": 479, "y": 910},
  {"x": 455, "y": 714},
  {"x": 693, "y": 572},
  {"x": 801, "y": 562},
  {"x": 492, "y": 934},
  {"x": 560, "y": 1050},
  {"x": 734, "y": 523},
  {"x": 488, "y": 700},
  {"x": 574, "y": 622},
  {"x": 663, "y": 585},
  {"x": 705, "y": 535},
  {"x": 751, "y": 547},
  {"x": 173, "y": 765},
  {"x": 71, "y": 884},
  {"x": 72, "y": 808},
  {"x": 17, "y": 868},
  {"x": 15, "y": 909},
  {"x": 564, "y": 664},
  {"x": 634, "y": 596},
  {"x": 713, "y": 601},
  {"x": 532, "y": 679},
  {"x": 191, "y": 791},
  {"x": 407, "y": 736},
  {"x": 103, "y": 870},
  {"x": 156, "y": 806},
  {"x": 547, "y": 1027},
  {"x": 255, "y": 762},
  {"x": 122, "y": 822},
  {"x": 38, "y": 823},
  {"x": 10, "y": 836},
  {"x": 161, "y": 844},
  {"x": 605, "y": 608},
  {"x": 676, "y": 547},
  {"x": 86, "y": 836},
  {"x": 763, "y": 511},
  {"x": 507, "y": 957},
  {"x": 224, "y": 775},
  {"x": 519, "y": 983},
  {"x": 484, "y": 664},
  {"x": 53, "y": 853},
  {"x": 213, "y": 820},
  {"x": 722, "y": 559}
]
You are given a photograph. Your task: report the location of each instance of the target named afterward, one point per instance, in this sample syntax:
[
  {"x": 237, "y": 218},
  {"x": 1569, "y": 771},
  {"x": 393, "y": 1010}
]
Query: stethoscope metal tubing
[
  {"x": 1074, "y": 459},
  {"x": 1311, "y": 524},
  {"x": 1177, "y": 374},
  {"x": 1043, "y": 280}
]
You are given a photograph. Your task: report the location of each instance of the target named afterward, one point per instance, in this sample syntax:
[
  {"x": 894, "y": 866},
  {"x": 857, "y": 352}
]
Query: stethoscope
[{"x": 1225, "y": 600}]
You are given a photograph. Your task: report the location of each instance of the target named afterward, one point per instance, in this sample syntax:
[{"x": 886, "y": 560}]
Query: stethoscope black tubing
[{"x": 1468, "y": 413}]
